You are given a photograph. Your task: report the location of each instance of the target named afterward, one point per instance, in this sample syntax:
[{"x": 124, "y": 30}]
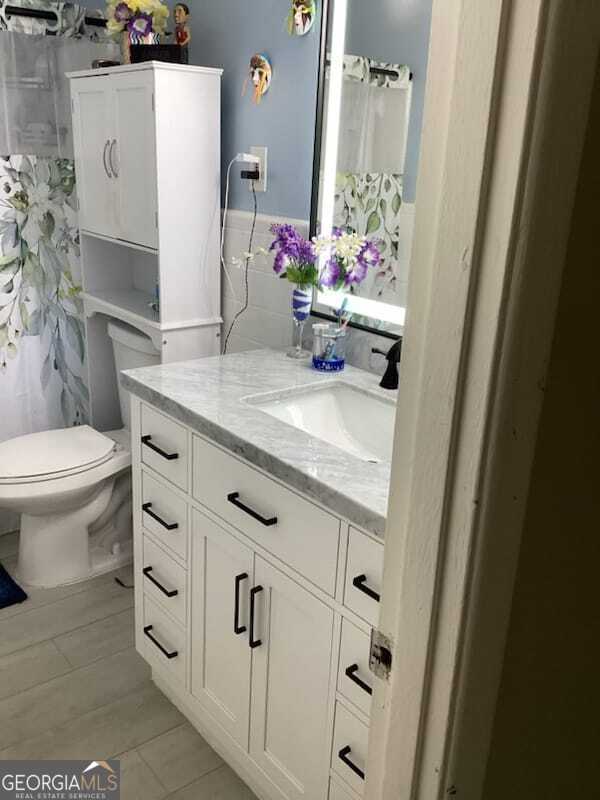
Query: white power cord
[{"x": 244, "y": 158}]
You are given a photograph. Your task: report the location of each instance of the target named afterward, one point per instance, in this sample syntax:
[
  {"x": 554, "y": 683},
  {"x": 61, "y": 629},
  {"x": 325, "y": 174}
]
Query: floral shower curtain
[
  {"x": 42, "y": 369},
  {"x": 368, "y": 195}
]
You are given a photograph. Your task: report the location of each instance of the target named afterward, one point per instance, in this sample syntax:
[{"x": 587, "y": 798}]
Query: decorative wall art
[
  {"x": 261, "y": 74},
  {"x": 301, "y": 17},
  {"x": 183, "y": 37}
]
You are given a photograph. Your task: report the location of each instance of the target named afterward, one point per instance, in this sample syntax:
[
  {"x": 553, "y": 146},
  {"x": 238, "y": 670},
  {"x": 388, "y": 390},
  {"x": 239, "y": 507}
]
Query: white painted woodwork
[
  {"x": 349, "y": 731},
  {"x": 290, "y": 684},
  {"x": 133, "y": 158},
  {"x": 354, "y": 649},
  {"x": 170, "y": 575},
  {"x": 172, "y": 438},
  {"x": 170, "y": 635},
  {"x": 365, "y": 557},
  {"x": 269, "y": 711},
  {"x": 336, "y": 792},
  {"x": 302, "y": 528},
  {"x": 143, "y": 223},
  {"x": 92, "y": 129},
  {"x": 172, "y": 509},
  {"x": 221, "y": 658}
]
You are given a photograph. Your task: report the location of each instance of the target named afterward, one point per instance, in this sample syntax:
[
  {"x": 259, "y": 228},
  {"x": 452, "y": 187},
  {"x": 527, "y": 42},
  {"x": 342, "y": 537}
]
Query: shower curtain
[
  {"x": 370, "y": 165},
  {"x": 42, "y": 369}
]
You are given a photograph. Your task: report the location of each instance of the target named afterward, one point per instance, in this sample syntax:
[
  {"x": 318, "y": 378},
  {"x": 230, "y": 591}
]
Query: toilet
[{"x": 72, "y": 487}]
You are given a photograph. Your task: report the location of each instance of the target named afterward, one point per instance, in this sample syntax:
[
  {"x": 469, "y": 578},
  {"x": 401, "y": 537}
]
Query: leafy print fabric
[
  {"x": 369, "y": 204},
  {"x": 39, "y": 257}
]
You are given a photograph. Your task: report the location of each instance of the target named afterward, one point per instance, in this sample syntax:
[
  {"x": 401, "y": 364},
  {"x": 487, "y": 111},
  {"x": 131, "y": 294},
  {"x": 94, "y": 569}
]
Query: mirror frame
[{"x": 326, "y": 21}]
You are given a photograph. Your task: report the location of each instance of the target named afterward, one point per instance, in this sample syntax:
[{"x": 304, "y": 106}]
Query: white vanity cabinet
[{"x": 257, "y": 646}]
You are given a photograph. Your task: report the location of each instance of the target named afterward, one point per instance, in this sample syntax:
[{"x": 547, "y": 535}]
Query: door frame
[{"x": 487, "y": 259}]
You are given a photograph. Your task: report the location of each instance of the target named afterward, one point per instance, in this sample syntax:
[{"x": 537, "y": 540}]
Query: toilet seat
[{"x": 54, "y": 454}]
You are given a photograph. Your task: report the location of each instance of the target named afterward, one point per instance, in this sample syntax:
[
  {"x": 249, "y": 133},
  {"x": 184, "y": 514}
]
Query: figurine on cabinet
[{"x": 182, "y": 31}]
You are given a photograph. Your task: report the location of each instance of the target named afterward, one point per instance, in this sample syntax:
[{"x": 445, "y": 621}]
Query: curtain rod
[{"x": 36, "y": 13}]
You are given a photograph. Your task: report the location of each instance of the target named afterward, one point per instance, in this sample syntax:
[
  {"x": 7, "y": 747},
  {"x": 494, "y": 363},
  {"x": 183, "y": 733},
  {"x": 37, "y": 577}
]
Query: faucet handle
[{"x": 378, "y": 351}]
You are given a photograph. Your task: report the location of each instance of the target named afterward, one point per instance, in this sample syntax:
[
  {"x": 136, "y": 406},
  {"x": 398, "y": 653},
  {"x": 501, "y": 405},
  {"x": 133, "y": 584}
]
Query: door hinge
[
  {"x": 156, "y": 219},
  {"x": 72, "y": 105},
  {"x": 380, "y": 655},
  {"x": 152, "y": 101}
]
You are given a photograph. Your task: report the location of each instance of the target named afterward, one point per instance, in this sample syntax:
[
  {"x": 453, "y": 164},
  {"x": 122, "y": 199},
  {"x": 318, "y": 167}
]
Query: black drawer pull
[
  {"x": 172, "y": 593},
  {"x": 237, "y": 628},
  {"x": 234, "y": 498},
  {"x": 170, "y": 526},
  {"x": 351, "y": 673},
  {"x": 252, "y": 641},
  {"x": 147, "y": 440},
  {"x": 172, "y": 654},
  {"x": 343, "y": 756},
  {"x": 361, "y": 585}
]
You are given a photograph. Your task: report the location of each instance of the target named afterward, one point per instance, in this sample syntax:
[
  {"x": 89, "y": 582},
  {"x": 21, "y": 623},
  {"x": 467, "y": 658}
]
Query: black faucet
[{"x": 390, "y": 378}]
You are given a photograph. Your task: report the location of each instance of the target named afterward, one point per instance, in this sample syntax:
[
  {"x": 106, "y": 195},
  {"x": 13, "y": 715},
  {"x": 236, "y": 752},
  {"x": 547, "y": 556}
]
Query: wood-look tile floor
[{"x": 72, "y": 686}]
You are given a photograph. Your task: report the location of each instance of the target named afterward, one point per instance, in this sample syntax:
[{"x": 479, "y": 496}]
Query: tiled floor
[{"x": 72, "y": 686}]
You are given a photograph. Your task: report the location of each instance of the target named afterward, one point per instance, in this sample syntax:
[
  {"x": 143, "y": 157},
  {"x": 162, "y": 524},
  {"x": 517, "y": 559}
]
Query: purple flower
[
  {"x": 290, "y": 246},
  {"x": 280, "y": 261},
  {"x": 370, "y": 254},
  {"x": 141, "y": 24},
  {"x": 356, "y": 273},
  {"x": 330, "y": 274},
  {"x": 122, "y": 12}
]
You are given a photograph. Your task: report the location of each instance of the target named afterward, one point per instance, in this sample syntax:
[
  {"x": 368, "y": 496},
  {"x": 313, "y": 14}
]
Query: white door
[
  {"x": 132, "y": 156},
  {"x": 221, "y": 656},
  {"x": 289, "y": 736},
  {"x": 92, "y": 129}
]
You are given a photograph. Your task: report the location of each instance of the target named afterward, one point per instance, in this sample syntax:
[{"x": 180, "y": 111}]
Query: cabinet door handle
[
  {"x": 106, "y": 168},
  {"x": 234, "y": 498},
  {"x": 110, "y": 158},
  {"x": 361, "y": 584},
  {"x": 351, "y": 673},
  {"x": 167, "y": 653},
  {"x": 170, "y": 526},
  {"x": 237, "y": 628},
  {"x": 147, "y": 440},
  {"x": 252, "y": 641},
  {"x": 343, "y": 756},
  {"x": 168, "y": 593}
]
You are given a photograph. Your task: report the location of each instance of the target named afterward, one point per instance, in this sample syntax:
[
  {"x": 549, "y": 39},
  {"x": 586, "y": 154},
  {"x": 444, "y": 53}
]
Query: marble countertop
[{"x": 209, "y": 395}]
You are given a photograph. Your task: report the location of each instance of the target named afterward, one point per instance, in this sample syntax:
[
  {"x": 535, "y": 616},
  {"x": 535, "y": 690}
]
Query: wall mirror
[{"x": 373, "y": 66}]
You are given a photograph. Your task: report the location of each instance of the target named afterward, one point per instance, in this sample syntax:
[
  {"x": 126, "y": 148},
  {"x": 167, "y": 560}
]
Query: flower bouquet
[
  {"x": 136, "y": 22},
  {"x": 345, "y": 260}
]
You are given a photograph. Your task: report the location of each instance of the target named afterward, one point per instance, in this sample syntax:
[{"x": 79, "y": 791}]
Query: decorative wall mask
[
  {"x": 301, "y": 17},
  {"x": 261, "y": 74}
]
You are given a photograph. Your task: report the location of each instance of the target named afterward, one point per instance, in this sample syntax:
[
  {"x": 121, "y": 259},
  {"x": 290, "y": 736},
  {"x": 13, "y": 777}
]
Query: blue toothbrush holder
[{"x": 329, "y": 347}]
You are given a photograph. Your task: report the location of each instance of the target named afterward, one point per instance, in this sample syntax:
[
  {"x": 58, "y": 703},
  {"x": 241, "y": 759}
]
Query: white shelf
[
  {"x": 122, "y": 242},
  {"x": 128, "y": 305}
]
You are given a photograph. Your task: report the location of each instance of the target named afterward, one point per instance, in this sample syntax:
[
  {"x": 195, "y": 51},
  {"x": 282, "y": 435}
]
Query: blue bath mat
[{"x": 10, "y": 592}]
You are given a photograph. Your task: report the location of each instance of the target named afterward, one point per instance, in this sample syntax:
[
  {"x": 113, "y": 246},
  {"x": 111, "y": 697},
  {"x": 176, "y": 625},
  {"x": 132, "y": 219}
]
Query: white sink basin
[{"x": 354, "y": 420}]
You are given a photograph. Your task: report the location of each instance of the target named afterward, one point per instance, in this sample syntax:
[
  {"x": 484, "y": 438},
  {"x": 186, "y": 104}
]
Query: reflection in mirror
[{"x": 373, "y": 67}]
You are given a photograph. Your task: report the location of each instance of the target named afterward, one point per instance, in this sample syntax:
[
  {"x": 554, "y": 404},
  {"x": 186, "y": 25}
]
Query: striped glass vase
[{"x": 301, "y": 306}]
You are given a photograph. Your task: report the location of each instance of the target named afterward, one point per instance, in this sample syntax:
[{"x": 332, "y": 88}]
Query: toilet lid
[{"x": 53, "y": 454}]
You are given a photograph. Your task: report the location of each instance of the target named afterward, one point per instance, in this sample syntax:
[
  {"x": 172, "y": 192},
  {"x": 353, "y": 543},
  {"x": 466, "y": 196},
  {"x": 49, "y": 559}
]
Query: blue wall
[
  {"x": 396, "y": 31},
  {"x": 226, "y": 33}
]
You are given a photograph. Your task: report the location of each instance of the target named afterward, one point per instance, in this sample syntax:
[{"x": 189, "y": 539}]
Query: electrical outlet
[{"x": 261, "y": 184}]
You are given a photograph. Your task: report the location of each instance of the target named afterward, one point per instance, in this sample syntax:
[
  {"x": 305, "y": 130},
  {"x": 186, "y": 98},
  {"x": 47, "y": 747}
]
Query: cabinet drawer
[
  {"x": 165, "y": 515},
  {"x": 162, "y": 641},
  {"x": 364, "y": 576},
  {"x": 337, "y": 793},
  {"x": 164, "y": 446},
  {"x": 164, "y": 581},
  {"x": 350, "y": 748},
  {"x": 291, "y": 528},
  {"x": 355, "y": 680}
]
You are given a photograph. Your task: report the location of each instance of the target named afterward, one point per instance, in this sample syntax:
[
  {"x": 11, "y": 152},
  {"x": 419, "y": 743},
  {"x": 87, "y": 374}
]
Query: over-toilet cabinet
[
  {"x": 147, "y": 161},
  {"x": 115, "y": 138},
  {"x": 260, "y": 638}
]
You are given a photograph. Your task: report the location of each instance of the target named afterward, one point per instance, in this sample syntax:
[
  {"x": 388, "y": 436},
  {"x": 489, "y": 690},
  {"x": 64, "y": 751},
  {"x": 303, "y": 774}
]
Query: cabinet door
[
  {"x": 92, "y": 129},
  {"x": 290, "y": 685},
  {"x": 133, "y": 157},
  {"x": 220, "y": 656}
]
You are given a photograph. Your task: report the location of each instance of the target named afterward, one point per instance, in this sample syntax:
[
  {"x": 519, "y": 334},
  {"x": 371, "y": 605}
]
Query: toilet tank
[{"x": 132, "y": 349}]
